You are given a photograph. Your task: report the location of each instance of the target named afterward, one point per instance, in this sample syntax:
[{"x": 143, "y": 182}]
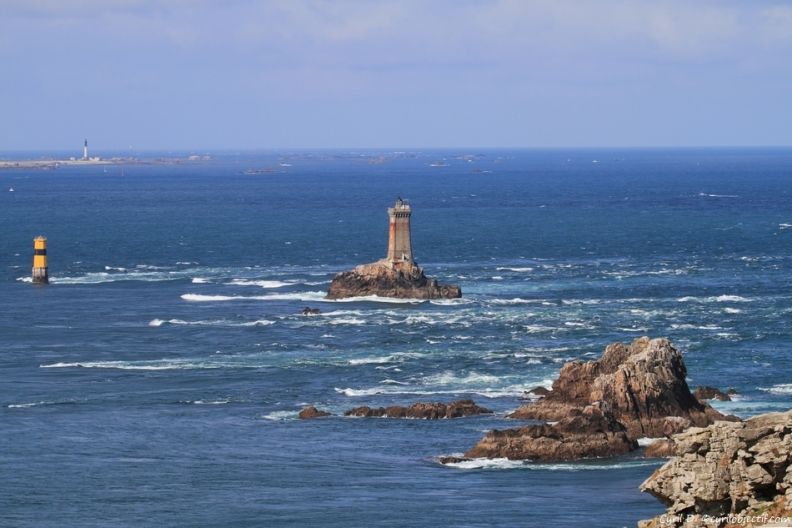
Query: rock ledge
[{"x": 383, "y": 278}]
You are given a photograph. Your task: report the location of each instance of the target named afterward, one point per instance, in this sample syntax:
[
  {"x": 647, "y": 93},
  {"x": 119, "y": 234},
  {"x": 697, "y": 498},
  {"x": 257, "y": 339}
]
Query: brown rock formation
[
  {"x": 388, "y": 279},
  {"x": 312, "y": 412},
  {"x": 590, "y": 432},
  {"x": 711, "y": 393},
  {"x": 742, "y": 468},
  {"x": 539, "y": 392},
  {"x": 663, "y": 448},
  {"x": 424, "y": 411},
  {"x": 643, "y": 385}
]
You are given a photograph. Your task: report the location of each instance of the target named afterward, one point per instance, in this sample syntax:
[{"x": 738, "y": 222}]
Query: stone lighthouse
[
  {"x": 397, "y": 275},
  {"x": 399, "y": 242}
]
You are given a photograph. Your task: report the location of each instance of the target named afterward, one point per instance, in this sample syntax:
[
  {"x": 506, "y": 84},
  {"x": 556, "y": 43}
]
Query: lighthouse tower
[
  {"x": 85, "y": 150},
  {"x": 399, "y": 243}
]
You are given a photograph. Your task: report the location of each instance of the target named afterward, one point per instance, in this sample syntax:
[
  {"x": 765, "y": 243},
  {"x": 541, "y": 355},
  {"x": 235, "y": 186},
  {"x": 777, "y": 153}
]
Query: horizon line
[{"x": 396, "y": 148}]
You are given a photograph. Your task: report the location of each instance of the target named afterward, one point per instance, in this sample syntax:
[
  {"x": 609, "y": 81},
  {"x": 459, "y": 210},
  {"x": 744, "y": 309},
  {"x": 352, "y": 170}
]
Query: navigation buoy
[{"x": 40, "y": 271}]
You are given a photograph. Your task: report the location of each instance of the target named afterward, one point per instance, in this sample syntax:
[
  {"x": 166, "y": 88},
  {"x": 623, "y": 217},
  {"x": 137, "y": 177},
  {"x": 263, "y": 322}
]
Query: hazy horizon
[{"x": 180, "y": 75}]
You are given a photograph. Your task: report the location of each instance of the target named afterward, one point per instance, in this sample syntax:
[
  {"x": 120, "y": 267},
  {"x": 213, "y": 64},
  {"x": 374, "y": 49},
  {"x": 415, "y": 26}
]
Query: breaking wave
[
  {"x": 218, "y": 322},
  {"x": 783, "y": 388},
  {"x": 505, "y": 463},
  {"x": 719, "y": 298},
  {"x": 315, "y": 296}
]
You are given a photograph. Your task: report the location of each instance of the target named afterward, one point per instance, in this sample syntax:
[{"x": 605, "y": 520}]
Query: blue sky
[{"x": 245, "y": 74}]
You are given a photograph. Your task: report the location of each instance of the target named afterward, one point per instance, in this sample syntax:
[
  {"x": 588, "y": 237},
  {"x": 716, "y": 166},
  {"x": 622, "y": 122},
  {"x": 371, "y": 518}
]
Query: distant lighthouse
[
  {"x": 85, "y": 150},
  {"x": 399, "y": 243}
]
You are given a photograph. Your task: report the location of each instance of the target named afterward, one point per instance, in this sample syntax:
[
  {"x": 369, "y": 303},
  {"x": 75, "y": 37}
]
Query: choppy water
[{"x": 156, "y": 381}]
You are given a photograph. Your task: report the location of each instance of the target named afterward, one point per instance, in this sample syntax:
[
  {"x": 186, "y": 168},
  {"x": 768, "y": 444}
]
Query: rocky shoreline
[
  {"x": 601, "y": 408},
  {"x": 721, "y": 470},
  {"x": 727, "y": 471}
]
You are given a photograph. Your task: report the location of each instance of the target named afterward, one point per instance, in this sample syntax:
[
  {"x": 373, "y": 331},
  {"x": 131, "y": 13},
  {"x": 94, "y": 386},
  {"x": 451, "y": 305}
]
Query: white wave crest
[
  {"x": 505, "y": 463},
  {"x": 687, "y": 326},
  {"x": 300, "y": 296},
  {"x": 281, "y": 415},
  {"x": 137, "y": 365},
  {"x": 199, "y": 280},
  {"x": 515, "y": 270},
  {"x": 718, "y": 195},
  {"x": 515, "y": 300},
  {"x": 217, "y": 322},
  {"x": 646, "y": 441},
  {"x": 451, "y": 302},
  {"x": 260, "y": 283},
  {"x": 36, "y": 404},
  {"x": 347, "y": 321},
  {"x": 783, "y": 388},
  {"x": 377, "y": 299},
  {"x": 719, "y": 298},
  {"x": 505, "y": 392}
]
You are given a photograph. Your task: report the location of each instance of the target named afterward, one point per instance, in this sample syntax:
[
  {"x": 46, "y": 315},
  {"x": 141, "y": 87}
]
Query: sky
[{"x": 281, "y": 74}]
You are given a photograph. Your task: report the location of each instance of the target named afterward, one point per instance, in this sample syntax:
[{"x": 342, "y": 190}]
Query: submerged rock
[
  {"x": 424, "y": 411},
  {"x": 590, "y": 432},
  {"x": 643, "y": 385},
  {"x": 388, "y": 279},
  {"x": 312, "y": 412},
  {"x": 742, "y": 468}
]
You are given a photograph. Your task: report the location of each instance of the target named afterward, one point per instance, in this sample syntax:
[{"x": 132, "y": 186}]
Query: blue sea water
[{"x": 156, "y": 381}]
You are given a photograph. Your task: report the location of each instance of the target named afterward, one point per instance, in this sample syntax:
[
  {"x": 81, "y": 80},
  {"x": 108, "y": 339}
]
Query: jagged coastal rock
[
  {"x": 312, "y": 412},
  {"x": 397, "y": 275},
  {"x": 601, "y": 408},
  {"x": 590, "y": 432},
  {"x": 381, "y": 278},
  {"x": 728, "y": 468},
  {"x": 661, "y": 448},
  {"x": 424, "y": 411},
  {"x": 643, "y": 385},
  {"x": 712, "y": 393}
]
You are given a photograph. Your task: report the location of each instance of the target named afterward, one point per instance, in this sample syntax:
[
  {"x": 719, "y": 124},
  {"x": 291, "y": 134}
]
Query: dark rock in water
[
  {"x": 643, "y": 385},
  {"x": 728, "y": 468},
  {"x": 312, "y": 412},
  {"x": 711, "y": 393},
  {"x": 452, "y": 459},
  {"x": 389, "y": 279},
  {"x": 539, "y": 391},
  {"x": 588, "y": 432},
  {"x": 663, "y": 448},
  {"x": 311, "y": 311},
  {"x": 425, "y": 411}
]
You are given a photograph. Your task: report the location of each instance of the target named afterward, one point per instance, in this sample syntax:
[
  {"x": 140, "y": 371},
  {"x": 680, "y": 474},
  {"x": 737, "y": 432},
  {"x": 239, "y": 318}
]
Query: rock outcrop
[
  {"x": 662, "y": 448},
  {"x": 643, "y": 385},
  {"x": 711, "y": 393},
  {"x": 602, "y": 407},
  {"x": 424, "y": 411},
  {"x": 312, "y": 412},
  {"x": 404, "y": 280},
  {"x": 590, "y": 432},
  {"x": 727, "y": 468}
]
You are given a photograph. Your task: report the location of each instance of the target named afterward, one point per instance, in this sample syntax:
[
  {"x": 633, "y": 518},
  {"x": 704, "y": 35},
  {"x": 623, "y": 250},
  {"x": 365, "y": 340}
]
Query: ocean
[{"x": 156, "y": 381}]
